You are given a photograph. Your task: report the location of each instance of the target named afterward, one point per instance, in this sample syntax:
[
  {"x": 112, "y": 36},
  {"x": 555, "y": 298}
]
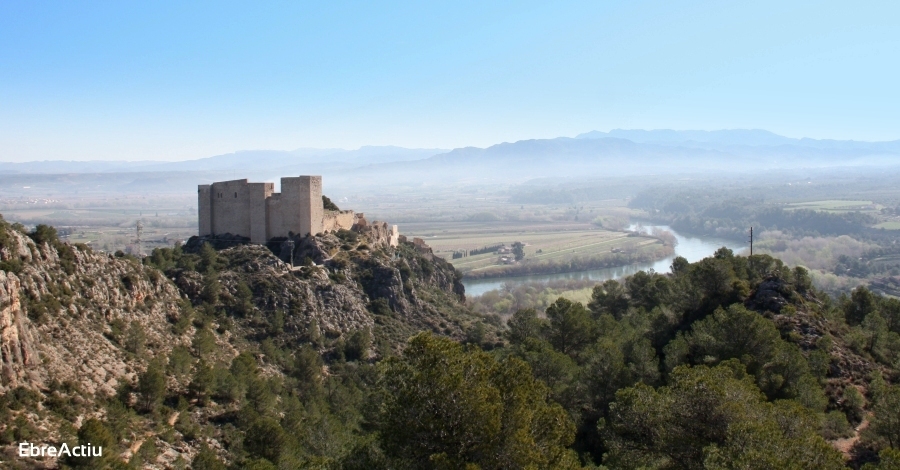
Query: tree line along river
[{"x": 691, "y": 248}]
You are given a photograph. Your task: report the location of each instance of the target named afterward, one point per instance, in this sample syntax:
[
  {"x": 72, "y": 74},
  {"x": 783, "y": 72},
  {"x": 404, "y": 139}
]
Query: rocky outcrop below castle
[{"x": 81, "y": 330}]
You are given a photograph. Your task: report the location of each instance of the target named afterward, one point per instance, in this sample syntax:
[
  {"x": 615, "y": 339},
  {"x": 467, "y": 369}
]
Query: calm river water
[{"x": 693, "y": 249}]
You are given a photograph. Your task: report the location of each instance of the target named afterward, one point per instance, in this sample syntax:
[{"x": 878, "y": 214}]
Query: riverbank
[
  {"x": 646, "y": 253},
  {"x": 691, "y": 248}
]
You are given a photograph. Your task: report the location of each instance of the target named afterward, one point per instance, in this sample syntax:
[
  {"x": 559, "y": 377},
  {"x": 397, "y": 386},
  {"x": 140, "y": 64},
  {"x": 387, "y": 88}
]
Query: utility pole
[
  {"x": 751, "y": 241},
  {"x": 139, "y": 230},
  {"x": 290, "y": 244}
]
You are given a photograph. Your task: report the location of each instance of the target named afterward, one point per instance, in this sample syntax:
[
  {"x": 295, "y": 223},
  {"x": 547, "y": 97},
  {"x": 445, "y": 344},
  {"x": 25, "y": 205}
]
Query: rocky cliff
[{"x": 59, "y": 305}]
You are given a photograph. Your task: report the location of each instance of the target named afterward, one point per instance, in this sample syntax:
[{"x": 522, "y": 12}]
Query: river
[{"x": 692, "y": 248}]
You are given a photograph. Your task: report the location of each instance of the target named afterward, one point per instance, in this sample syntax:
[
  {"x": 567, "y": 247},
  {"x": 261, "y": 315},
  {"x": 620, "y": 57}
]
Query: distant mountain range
[
  {"x": 240, "y": 160},
  {"x": 617, "y": 152},
  {"x": 637, "y": 152},
  {"x": 736, "y": 138}
]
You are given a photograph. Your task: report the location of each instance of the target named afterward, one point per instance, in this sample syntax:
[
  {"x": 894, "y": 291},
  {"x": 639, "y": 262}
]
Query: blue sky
[{"x": 181, "y": 80}]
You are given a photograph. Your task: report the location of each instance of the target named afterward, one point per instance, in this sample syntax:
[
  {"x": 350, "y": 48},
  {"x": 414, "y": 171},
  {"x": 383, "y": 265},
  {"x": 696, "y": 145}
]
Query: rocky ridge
[
  {"x": 79, "y": 327},
  {"x": 56, "y": 314}
]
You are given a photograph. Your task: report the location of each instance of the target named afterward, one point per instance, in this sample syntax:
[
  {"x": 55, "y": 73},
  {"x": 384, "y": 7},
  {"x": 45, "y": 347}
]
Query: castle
[{"x": 256, "y": 211}]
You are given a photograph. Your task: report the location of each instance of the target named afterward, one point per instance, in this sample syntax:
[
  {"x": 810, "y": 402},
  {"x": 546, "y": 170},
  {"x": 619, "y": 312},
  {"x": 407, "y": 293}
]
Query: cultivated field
[
  {"x": 544, "y": 243},
  {"x": 837, "y": 205},
  {"x": 891, "y": 225},
  {"x": 108, "y": 223}
]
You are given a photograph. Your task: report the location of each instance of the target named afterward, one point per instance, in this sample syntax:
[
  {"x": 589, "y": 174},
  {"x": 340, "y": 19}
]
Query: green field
[
  {"x": 578, "y": 295},
  {"x": 837, "y": 205},
  {"x": 892, "y": 225}
]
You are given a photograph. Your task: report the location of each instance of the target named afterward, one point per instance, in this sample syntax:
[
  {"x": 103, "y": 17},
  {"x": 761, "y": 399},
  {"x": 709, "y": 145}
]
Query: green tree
[
  {"x": 524, "y": 325},
  {"x": 713, "y": 284},
  {"x": 94, "y": 433},
  {"x": 889, "y": 459},
  {"x": 555, "y": 369},
  {"x": 648, "y": 290},
  {"x": 890, "y": 309},
  {"x": 206, "y": 459},
  {"x": 680, "y": 265},
  {"x": 609, "y": 298},
  {"x": 204, "y": 342},
  {"x": 358, "y": 345},
  {"x": 243, "y": 299},
  {"x": 886, "y": 419},
  {"x": 135, "y": 339},
  {"x": 738, "y": 333},
  {"x": 211, "y": 288},
  {"x": 203, "y": 383},
  {"x": 266, "y": 439},
  {"x": 152, "y": 386},
  {"x": 44, "y": 234},
  {"x": 571, "y": 328},
  {"x": 208, "y": 258},
  {"x": 862, "y": 302},
  {"x": 328, "y": 205},
  {"x": 445, "y": 407},
  {"x": 712, "y": 418},
  {"x": 180, "y": 361},
  {"x": 518, "y": 249}
]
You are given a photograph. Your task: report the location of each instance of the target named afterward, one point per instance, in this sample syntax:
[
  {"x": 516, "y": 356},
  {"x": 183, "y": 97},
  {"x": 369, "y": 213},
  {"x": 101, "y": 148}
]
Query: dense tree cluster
[{"x": 720, "y": 213}]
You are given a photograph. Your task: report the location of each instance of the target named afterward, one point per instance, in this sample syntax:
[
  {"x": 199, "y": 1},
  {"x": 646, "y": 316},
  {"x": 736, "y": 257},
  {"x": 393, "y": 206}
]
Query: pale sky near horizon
[{"x": 166, "y": 80}]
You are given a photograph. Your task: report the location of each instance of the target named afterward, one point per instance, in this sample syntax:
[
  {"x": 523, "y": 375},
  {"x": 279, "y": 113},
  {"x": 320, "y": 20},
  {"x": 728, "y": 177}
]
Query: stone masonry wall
[
  {"x": 256, "y": 211},
  {"x": 336, "y": 220},
  {"x": 231, "y": 207}
]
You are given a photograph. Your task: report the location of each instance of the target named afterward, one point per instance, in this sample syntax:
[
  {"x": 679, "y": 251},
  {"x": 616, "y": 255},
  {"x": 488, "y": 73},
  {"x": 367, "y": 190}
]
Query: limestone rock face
[
  {"x": 56, "y": 314},
  {"x": 17, "y": 346}
]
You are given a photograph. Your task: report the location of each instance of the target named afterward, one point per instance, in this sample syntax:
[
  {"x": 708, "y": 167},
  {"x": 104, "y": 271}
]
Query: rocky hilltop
[{"x": 84, "y": 333}]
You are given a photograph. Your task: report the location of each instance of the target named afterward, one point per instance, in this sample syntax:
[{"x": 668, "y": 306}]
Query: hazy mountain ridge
[
  {"x": 738, "y": 138},
  {"x": 239, "y": 160},
  {"x": 650, "y": 146},
  {"x": 593, "y": 154}
]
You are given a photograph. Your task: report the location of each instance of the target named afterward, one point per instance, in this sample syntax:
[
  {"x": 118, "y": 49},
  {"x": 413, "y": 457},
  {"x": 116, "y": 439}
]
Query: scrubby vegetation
[{"x": 730, "y": 362}]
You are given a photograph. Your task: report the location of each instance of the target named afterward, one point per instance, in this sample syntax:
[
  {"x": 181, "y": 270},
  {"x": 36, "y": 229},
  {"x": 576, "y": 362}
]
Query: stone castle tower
[{"x": 256, "y": 211}]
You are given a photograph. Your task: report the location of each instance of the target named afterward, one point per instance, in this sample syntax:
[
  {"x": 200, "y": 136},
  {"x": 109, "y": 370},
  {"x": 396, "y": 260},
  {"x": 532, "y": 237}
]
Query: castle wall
[
  {"x": 259, "y": 214},
  {"x": 231, "y": 208},
  {"x": 299, "y": 209},
  {"x": 204, "y": 209},
  {"x": 311, "y": 200},
  {"x": 256, "y": 211},
  {"x": 275, "y": 223},
  {"x": 336, "y": 220}
]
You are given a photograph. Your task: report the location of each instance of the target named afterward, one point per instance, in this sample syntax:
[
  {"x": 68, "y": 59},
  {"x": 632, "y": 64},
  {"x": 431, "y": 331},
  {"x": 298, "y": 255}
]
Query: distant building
[{"x": 256, "y": 211}]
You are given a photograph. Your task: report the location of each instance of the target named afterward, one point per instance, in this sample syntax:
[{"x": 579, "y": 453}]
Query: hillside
[
  {"x": 82, "y": 332},
  {"x": 364, "y": 356}
]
